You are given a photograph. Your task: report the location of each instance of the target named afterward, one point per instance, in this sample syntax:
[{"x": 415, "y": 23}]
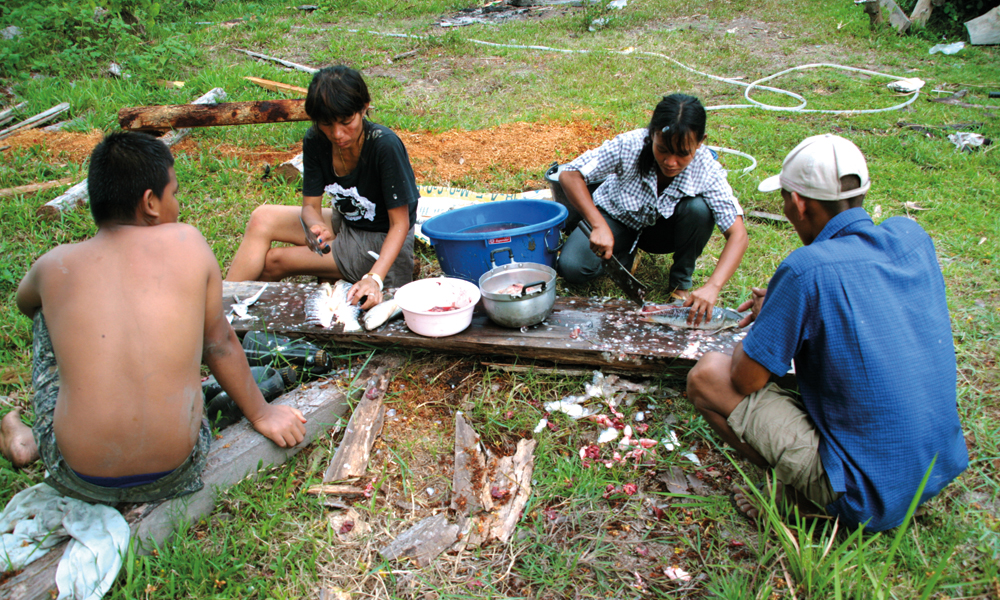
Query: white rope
[{"x": 801, "y": 107}]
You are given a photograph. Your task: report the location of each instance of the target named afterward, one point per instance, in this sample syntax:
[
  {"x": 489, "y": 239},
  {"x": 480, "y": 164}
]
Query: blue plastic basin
[{"x": 509, "y": 230}]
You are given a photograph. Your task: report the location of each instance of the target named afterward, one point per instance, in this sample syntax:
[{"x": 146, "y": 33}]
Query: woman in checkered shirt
[{"x": 660, "y": 190}]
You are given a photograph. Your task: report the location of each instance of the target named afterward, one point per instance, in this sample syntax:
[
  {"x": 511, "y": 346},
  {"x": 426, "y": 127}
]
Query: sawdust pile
[
  {"x": 75, "y": 147},
  {"x": 437, "y": 158}
]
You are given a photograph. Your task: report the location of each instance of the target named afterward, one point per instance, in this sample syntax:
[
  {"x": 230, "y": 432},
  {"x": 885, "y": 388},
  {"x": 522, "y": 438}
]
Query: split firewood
[
  {"x": 36, "y": 120},
  {"x": 34, "y": 187},
  {"x": 277, "y": 86},
  {"x": 290, "y": 170},
  {"x": 286, "y": 63},
  {"x": 161, "y": 118},
  {"x": 351, "y": 458},
  {"x": 345, "y": 491},
  {"x": 423, "y": 542},
  {"x": 8, "y": 114},
  {"x": 78, "y": 194},
  {"x": 511, "y": 488}
]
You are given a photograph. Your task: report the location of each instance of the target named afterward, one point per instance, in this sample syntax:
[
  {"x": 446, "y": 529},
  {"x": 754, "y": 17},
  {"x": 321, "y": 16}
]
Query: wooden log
[
  {"x": 601, "y": 333},
  {"x": 422, "y": 542},
  {"x": 277, "y": 86},
  {"x": 985, "y": 30},
  {"x": 36, "y": 120},
  {"x": 31, "y": 188},
  {"x": 236, "y": 454},
  {"x": 351, "y": 458},
  {"x": 290, "y": 170},
  {"x": 78, "y": 195},
  {"x": 286, "y": 63},
  {"x": 210, "y": 98},
  {"x": 921, "y": 12},
  {"x": 159, "y": 118},
  {"x": 8, "y": 113}
]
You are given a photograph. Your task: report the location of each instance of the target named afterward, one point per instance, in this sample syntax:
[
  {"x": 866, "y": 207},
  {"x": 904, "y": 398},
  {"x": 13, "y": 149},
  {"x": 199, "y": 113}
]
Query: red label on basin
[{"x": 503, "y": 240}]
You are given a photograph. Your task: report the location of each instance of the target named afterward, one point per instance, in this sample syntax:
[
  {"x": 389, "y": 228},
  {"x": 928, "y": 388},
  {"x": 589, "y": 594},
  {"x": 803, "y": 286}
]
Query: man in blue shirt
[{"x": 861, "y": 310}]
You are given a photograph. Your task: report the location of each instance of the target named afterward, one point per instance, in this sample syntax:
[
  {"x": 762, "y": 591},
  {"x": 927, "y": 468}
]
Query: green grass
[{"x": 266, "y": 539}]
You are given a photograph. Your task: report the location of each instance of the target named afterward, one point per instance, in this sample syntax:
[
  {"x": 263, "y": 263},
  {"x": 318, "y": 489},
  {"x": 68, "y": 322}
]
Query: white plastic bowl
[{"x": 418, "y": 298}]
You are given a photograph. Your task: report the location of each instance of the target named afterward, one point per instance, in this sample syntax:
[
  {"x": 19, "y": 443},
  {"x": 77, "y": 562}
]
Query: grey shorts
[
  {"x": 350, "y": 251},
  {"x": 774, "y": 422},
  {"x": 185, "y": 479}
]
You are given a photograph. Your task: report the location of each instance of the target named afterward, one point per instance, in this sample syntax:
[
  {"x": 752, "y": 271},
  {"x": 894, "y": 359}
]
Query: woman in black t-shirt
[{"x": 364, "y": 169}]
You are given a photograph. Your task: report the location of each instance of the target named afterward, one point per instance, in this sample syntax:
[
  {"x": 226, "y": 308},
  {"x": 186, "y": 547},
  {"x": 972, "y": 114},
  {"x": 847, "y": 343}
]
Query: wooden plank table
[{"x": 608, "y": 332}]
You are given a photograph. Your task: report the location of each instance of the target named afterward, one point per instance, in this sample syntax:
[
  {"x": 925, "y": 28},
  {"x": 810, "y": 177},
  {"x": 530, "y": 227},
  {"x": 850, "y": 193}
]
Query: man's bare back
[
  {"x": 126, "y": 311},
  {"x": 132, "y": 313}
]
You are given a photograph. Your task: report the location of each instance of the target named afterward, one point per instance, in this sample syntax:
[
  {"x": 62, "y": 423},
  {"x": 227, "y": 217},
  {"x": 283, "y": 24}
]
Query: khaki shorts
[
  {"x": 774, "y": 422},
  {"x": 350, "y": 251}
]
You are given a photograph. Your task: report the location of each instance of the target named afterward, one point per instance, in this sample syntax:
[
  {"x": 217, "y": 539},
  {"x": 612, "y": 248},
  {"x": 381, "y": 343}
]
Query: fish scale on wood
[{"x": 329, "y": 305}]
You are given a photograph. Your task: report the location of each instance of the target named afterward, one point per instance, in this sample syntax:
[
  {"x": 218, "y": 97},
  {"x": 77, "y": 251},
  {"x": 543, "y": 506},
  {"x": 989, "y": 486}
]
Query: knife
[
  {"x": 312, "y": 241},
  {"x": 635, "y": 290}
]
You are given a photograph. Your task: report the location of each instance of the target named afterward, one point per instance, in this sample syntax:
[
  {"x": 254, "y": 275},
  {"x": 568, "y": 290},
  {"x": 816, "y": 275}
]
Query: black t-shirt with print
[{"x": 383, "y": 178}]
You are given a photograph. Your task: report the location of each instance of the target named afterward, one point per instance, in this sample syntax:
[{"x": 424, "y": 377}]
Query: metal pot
[{"x": 530, "y": 305}]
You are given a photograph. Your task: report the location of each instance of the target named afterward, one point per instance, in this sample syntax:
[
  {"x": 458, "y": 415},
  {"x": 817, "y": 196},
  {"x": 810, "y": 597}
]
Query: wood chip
[{"x": 423, "y": 542}]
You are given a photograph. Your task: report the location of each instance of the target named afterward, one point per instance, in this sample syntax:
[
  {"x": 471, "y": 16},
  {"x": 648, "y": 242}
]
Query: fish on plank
[
  {"x": 677, "y": 316},
  {"x": 380, "y": 314},
  {"x": 329, "y": 306}
]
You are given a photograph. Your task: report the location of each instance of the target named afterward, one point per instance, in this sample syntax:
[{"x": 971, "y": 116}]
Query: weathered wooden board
[
  {"x": 350, "y": 461},
  {"x": 608, "y": 332},
  {"x": 233, "y": 456}
]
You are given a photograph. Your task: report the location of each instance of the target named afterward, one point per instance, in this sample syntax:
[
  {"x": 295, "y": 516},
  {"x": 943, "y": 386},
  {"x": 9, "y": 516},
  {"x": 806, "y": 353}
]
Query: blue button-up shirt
[{"x": 862, "y": 311}]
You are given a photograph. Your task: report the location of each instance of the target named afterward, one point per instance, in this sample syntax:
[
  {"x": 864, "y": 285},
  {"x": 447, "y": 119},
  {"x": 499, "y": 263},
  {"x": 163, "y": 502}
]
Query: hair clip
[{"x": 665, "y": 129}]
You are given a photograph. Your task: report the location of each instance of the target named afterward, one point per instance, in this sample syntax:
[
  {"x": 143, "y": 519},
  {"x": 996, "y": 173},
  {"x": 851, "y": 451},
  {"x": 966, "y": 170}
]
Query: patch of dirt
[
  {"x": 75, "y": 147},
  {"x": 437, "y": 158}
]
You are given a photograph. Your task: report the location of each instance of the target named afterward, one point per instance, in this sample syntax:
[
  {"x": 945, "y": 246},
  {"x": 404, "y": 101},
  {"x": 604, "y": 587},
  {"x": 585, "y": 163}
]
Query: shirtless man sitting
[{"x": 132, "y": 313}]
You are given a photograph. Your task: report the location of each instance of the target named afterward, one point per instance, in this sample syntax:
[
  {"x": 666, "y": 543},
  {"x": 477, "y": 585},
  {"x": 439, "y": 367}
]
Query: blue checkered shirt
[
  {"x": 631, "y": 198},
  {"x": 862, "y": 311}
]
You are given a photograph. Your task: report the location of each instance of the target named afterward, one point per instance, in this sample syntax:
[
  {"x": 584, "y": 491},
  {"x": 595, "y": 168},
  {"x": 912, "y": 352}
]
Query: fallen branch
[
  {"x": 24, "y": 190},
  {"x": 78, "y": 194},
  {"x": 36, "y": 120},
  {"x": 277, "y": 86},
  {"x": 286, "y": 63}
]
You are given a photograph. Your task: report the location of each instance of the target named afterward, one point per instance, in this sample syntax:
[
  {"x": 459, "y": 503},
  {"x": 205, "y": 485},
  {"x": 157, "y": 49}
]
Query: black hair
[
  {"x": 122, "y": 167},
  {"x": 679, "y": 118},
  {"x": 336, "y": 93},
  {"x": 835, "y": 207}
]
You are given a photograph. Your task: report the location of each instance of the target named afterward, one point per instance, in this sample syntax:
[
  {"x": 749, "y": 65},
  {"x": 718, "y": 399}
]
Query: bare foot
[
  {"x": 17, "y": 444},
  {"x": 746, "y": 501}
]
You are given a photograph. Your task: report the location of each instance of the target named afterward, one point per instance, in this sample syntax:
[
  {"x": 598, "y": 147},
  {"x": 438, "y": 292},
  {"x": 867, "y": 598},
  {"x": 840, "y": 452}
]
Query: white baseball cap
[{"x": 815, "y": 166}]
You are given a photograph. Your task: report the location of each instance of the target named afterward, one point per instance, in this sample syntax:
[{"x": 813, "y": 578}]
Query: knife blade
[
  {"x": 312, "y": 241},
  {"x": 632, "y": 287}
]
